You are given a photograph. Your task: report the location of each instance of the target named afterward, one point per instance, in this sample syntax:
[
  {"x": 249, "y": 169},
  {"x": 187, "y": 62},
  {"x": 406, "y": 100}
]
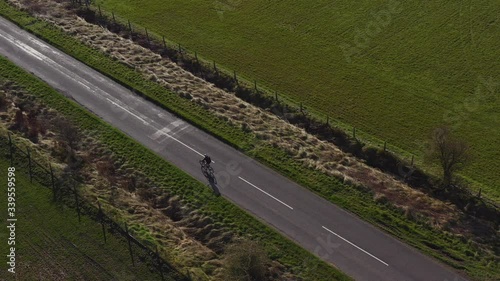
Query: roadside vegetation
[{"x": 457, "y": 246}]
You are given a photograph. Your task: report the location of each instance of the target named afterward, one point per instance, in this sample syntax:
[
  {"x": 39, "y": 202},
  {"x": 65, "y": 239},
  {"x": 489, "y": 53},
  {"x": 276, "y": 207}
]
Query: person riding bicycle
[{"x": 207, "y": 159}]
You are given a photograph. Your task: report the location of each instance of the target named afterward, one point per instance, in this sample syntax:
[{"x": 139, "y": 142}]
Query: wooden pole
[
  {"x": 11, "y": 151},
  {"x": 147, "y": 34},
  {"x": 129, "y": 27},
  {"x": 102, "y": 223},
  {"x": 215, "y": 67},
  {"x": 29, "y": 165},
  {"x": 196, "y": 57},
  {"x": 114, "y": 19},
  {"x": 160, "y": 264},
  {"x": 100, "y": 12},
  {"x": 129, "y": 245},
  {"x": 255, "y": 84},
  {"x": 327, "y": 120},
  {"x": 164, "y": 43},
  {"x": 75, "y": 191},
  {"x": 54, "y": 191},
  {"x": 385, "y": 146}
]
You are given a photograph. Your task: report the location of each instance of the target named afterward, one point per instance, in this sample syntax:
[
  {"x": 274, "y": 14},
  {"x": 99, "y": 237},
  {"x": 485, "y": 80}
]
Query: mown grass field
[
  {"x": 416, "y": 65},
  {"x": 449, "y": 249},
  {"x": 52, "y": 245}
]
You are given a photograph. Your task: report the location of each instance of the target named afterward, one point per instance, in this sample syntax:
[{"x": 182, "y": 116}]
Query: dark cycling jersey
[{"x": 207, "y": 159}]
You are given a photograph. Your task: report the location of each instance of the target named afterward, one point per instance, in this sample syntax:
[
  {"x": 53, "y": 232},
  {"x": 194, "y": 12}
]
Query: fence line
[
  {"x": 245, "y": 88},
  {"x": 68, "y": 193},
  {"x": 110, "y": 19},
  {"x": 179, "y": 53}
]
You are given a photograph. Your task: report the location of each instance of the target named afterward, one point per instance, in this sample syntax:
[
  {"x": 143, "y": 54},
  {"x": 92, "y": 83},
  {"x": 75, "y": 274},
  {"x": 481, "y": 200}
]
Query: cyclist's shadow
[{"x": 209, "y": 174}]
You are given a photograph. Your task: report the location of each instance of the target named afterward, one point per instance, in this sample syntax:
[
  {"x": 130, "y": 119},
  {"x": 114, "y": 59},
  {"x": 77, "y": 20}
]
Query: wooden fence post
[
  {"x": 129, "y": 245},
  {"x": 235, "y": 77},
  {"x": 160, "y": 263},
  {"x": 102, "y": 223},
  {"x": 52, "y": 182},
  {"x": 129, "y": 27},
  {"x": 180, "y": 49},
  {"x": 114, "y": 19},
  {"x": 147, "y": 35},
  {"x": 164, "y": 43},
  {"x": 75, "y": 191},
  {"x": 255, "y": 84},
  {"x": 100, "y": 12},
  {"x": 11, "y": 151},
  {"x": 196, "y": 58},
  {"x": 215, "y": 67},
  {"x": 29, "y": 165},
  {"x": 385, "y": 146}
]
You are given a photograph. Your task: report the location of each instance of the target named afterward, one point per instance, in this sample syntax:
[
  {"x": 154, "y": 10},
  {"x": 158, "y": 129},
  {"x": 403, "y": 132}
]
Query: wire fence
[
  {"x": 67, "y": 192},
  {"x": 379, "y": 154},
  {"x": 295, "y": 112},
  {"x": 244, "y": 87}
]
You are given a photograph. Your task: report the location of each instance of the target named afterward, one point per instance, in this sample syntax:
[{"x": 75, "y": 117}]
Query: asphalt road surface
[{"x": 357, "y": 248}]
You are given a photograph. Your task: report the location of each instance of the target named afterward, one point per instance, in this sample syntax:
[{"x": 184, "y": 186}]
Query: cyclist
[{"x": 207, "y": 159}]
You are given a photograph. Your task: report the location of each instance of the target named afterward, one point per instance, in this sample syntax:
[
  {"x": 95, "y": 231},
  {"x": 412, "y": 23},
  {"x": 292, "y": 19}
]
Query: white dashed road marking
[
  {"x": 354, "y": 245},
  {"x": 265, "y": 192}
]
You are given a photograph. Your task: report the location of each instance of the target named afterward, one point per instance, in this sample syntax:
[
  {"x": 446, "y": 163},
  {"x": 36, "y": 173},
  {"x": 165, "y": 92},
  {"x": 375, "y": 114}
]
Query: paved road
[{"x": 357, "y": 248}]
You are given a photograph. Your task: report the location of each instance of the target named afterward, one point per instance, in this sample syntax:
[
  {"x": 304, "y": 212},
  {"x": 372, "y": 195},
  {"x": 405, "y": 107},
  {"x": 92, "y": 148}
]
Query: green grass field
[
  {"x": 52, "y": 244},
  {"x": 449, "y": 249},
  {"x": 415, "y": 65}
]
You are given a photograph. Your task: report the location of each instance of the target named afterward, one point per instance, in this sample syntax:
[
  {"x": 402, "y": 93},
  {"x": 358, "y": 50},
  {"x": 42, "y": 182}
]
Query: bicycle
[{"x": 206, "y": 169}]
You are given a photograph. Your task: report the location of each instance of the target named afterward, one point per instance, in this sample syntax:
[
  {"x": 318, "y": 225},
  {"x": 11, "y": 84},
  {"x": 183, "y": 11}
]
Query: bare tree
[
  {"x": 452, "y": 154},
  {"x": 19, "y": 121},
  {"x": 67, "y": 132},
  {"x": 245, "y": 261}
]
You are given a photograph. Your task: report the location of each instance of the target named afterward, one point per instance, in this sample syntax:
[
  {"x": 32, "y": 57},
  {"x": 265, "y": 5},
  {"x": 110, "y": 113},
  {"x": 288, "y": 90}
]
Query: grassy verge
[
  {"x": 50, "y": 242},
  {"x": 177, "y": 182},
  {"x": 449, "y": 249}
]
